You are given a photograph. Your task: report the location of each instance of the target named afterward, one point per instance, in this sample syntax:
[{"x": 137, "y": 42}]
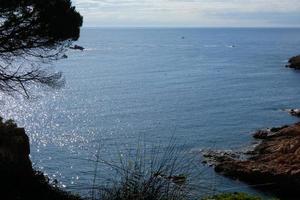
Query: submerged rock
[
  {"x": 294, "y": 112},
  {"x": 294, "y": 62},
  {"x": 77, "y": 47},
  {"x": 275, "y": 161}
]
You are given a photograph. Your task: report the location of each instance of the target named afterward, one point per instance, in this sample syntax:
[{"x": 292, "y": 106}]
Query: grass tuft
[
  {"x": 233, "y": 196},
  {"x": 153, "y": 174}
]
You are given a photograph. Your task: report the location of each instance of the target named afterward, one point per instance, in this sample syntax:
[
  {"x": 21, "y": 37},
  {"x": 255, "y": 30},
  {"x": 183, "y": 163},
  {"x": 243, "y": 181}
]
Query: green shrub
[{"x": 233, "y": 196}]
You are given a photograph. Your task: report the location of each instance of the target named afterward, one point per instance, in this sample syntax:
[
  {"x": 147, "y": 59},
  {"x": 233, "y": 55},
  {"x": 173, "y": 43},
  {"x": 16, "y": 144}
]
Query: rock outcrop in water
[
  {"x": 294, "y": 62},
  {"x": 274, "y": 162},
  {"x": 18, "y": 180},
  {"x": 294, "y": 112},
  {"x": 77, "y": 47}
]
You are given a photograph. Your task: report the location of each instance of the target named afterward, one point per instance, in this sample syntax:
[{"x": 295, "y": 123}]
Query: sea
[{"x": 198, "y": 88}]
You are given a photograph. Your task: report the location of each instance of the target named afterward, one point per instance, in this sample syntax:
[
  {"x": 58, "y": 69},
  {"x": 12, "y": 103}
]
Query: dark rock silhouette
[
  {"x": 294, "y": 112},
  {"x": 18, "y": 180},
  {"x": 294, "y": 62},
  {"x": 77, "y": 47},
  {"x": 14, "y": 150}
]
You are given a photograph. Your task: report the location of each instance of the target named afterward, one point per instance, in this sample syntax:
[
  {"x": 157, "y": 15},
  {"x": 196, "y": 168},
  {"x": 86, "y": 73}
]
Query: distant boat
[{"x": 182, "y": 37}]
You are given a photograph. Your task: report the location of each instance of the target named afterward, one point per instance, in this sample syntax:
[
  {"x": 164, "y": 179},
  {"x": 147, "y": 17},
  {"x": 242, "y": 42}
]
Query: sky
[{"x": 189, "y": 13}]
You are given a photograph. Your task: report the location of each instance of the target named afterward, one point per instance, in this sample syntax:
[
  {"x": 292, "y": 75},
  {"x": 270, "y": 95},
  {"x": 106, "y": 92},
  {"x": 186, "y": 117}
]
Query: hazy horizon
[{"x": 189, "y": 13}]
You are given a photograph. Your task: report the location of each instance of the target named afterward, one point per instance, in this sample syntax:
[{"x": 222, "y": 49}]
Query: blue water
[{"x": 210, "y": 90}]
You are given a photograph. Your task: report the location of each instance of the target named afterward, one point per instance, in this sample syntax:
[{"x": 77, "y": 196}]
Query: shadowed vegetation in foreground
[
  {"x": 150, "y": 175},
  {"x": 34, "y": 186},
  {"x": 155, "y": 173},
  {"x": 158, "y": 174},
  {"x": 233, "y": 196}
]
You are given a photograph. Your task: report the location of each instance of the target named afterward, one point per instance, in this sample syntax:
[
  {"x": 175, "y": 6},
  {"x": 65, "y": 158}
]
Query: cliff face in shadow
[
  {"x": 18, "y": 180},
  {"x": 14, "y": 151}
]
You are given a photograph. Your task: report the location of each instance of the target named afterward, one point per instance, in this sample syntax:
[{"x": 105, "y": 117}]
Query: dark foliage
[
  {"x": 31, "y": 186},
  {"x": 34, "y": 32},
  {"x": 233, "y": 196}
]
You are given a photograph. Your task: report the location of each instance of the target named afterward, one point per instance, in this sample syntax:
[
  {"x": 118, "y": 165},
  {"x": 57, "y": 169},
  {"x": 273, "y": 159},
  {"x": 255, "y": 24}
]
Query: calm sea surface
[{"x": 208, "y": 90}]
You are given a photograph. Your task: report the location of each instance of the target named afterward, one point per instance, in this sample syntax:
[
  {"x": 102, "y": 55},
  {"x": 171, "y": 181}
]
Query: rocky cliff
[
  {"x": 18, "y": 180},
  {"x": 14, "y": 150}
]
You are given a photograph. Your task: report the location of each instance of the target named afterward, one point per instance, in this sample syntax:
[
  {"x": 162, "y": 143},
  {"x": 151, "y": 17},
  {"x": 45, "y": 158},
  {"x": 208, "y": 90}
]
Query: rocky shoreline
[{"x": 273, "y": 164}]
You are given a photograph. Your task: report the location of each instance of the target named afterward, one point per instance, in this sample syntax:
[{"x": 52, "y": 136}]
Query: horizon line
[{"x": 158, "y": 26}]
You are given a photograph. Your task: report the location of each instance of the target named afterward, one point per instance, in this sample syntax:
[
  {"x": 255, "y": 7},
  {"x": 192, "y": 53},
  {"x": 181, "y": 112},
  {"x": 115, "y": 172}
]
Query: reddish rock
[{"x": 275, "y": 161}]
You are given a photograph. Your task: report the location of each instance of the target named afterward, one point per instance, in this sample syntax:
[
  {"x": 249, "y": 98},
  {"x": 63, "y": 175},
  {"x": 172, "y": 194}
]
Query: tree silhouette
[{"x": 33, "y": 32}]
